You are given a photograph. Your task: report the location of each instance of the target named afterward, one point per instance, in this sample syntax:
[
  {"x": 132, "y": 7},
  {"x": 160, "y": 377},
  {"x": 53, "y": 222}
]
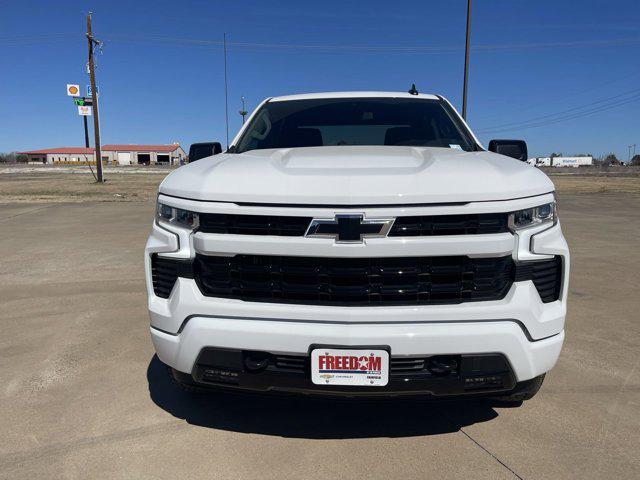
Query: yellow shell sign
[{"x": 73, "y": 90}]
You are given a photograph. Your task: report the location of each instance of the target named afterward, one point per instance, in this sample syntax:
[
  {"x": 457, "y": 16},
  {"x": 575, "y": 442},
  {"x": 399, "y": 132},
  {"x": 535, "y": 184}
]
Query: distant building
[
  {"x": 117, "y": 154},
  {"x": 144, "y": 154},
  {"x": 61, "y": 154}
]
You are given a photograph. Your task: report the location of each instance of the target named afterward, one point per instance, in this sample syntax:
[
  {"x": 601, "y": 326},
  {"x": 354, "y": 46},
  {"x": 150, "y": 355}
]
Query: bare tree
[
  {"x": 11, "y": 157},
  {"x": 610, "y": 159}
]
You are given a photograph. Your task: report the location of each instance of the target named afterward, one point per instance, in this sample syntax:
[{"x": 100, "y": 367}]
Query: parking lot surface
[{"x": 82, "y": 395}]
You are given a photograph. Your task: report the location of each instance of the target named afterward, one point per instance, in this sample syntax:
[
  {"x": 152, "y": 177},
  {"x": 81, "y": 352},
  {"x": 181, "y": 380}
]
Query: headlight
[
  {"x": 531, "y": 217},
  {"x": 176, "y": 216}
]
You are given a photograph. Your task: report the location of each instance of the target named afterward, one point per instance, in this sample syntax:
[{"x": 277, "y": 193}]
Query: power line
[
  {"x": 563, "y": 97},
  {"x": 362, "y": 48},
  {"x": 562, "y": 112},
  {"x": 602, "y": 108},
  {"x": 570, "y": 117},
  {"x": 530, "y": 123},
  {"x": 45, "y": 38}
]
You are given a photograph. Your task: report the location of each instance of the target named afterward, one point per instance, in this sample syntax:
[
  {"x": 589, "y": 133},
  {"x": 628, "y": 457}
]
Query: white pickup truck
[{"x": 359, "y": 243}]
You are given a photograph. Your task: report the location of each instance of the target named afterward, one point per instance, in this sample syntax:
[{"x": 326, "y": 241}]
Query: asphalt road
[{"x": 82, "y": 395}]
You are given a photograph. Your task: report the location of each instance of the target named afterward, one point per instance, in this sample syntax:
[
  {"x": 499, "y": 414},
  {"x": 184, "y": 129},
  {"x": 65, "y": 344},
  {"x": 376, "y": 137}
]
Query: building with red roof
[{"x": 118, "y": 154}]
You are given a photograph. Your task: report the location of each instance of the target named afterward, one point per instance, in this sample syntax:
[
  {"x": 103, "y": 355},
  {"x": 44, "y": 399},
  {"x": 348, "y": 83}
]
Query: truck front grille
[
  {"x": 253, "y": 224},
  {"x": 287, "y": 226},
  {"x": 470, "y": 224},
  {"x": 354, "y": 281}
]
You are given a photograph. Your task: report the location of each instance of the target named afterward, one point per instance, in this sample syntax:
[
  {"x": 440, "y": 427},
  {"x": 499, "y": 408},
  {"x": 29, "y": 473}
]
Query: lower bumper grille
[
  {"x": 546, "y": 276},
  {"x": 354, "y": 281},
  {"x": 164, "y": 273},
  {"x": 466, "y": 374}
]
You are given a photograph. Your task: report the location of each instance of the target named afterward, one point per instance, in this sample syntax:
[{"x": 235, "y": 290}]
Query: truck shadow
[{"x": 298, "y": 416}]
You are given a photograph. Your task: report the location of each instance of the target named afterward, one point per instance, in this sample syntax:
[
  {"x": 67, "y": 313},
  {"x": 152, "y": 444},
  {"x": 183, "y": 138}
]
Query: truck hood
[{"x": 356, "y": 175}]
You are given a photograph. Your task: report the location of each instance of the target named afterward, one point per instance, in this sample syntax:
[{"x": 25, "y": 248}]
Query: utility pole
[
  {"x": 92, "y": 42},
  {"x": 466, "y": 62},
  {"x": 226, "y": 96},
  {"x": 243, "y": 111}
]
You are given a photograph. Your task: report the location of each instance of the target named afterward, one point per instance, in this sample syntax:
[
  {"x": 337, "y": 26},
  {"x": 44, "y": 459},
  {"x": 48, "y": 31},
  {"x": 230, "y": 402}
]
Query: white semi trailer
[
  {"x": 572, "y": 161},
  {"x": 540, "y": 161}
]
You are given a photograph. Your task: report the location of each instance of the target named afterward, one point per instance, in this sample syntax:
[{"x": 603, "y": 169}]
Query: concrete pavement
[{"x": 83, "y": 396}]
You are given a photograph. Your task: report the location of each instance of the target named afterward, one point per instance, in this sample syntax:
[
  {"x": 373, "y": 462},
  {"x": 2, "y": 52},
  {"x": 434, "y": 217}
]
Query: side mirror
[
  {"x": 511, "y": 148},
  {"x": 202, "y": 150}
]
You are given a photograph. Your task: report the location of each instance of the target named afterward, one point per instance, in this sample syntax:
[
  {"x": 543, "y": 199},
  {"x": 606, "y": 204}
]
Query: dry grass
[
  {"x": 44, "y": 185},
  {"x": 79, "y": 187},
  {"x": 596, "y": 184}
]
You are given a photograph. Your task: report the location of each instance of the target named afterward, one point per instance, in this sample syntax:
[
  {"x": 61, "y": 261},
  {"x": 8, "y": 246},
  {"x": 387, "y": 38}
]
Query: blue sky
[{"x": 161, "y": 76}]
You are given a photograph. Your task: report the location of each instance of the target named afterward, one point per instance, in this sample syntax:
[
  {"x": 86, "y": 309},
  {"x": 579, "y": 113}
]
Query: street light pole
[
  {"x": 243, "y": 111},
  {"x": 466, "y": 62}
]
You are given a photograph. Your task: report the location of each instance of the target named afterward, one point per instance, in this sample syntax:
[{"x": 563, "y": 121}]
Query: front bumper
[{"x": 527, "y": 359}]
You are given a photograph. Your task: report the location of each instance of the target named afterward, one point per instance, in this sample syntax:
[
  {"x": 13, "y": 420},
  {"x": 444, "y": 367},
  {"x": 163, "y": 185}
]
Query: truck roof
[{"x": 308, "y": 96}]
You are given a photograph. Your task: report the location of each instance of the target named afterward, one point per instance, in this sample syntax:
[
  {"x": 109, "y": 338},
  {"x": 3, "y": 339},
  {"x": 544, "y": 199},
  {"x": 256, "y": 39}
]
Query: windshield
[{"x": 355, "y": 121}]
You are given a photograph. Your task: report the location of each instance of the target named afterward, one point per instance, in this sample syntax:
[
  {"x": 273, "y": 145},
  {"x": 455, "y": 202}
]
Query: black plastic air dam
[{"x": 471, "y": 374}]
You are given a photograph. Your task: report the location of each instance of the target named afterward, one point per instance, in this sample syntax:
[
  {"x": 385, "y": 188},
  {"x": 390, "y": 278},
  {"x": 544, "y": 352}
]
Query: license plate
[{"x": 356, "y": 367}]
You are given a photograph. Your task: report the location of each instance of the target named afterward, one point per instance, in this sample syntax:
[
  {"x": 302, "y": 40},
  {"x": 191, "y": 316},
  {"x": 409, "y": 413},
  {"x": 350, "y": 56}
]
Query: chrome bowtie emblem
[{"x": 349, "y": 228}]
